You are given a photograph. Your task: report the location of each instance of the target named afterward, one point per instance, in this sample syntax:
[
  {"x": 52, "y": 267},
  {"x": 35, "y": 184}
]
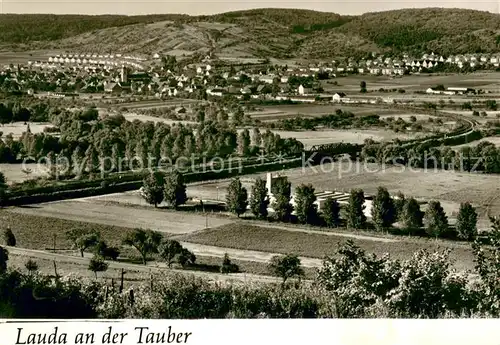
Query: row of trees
[
  {"x": 96, "y": 145},
  {"x": 385, "y": 210},
  {"x": 483, "y": 157}
]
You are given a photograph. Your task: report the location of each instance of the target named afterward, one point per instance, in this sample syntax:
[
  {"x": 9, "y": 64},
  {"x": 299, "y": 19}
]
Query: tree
[
  {"x": 97, "y": 264},
  {"x": 286, "y": 266},
  {"x": 362, "y": 86},
  {"x": 108, "y": 253},
  {"x": 169, "y": 250},
  {"x": 356, "y": 218},
  {"x": 331, "y": 212},
  {"x": 411, "y": 215},
  {"x": 305, "y": 207},
  {"x": 399, "y": 202},
  {"x": 4, "y": 257},
  {"x": 3, "y": 190},
  {"x": 282, "y": 195},
  {"x": 237, "y": 197},
  {"x": 9, "y": 238},
  {"x": 82, "y": 238},
  {"x": 491, "y": 104},
  {"x": 227, "y": 266},
  {"x": 383, "y": 210},
  {"x": 145, "y": 241},
  {"x": 152, "y": 188},
  {"x": 259, "y": 199},
  {"x": 435, "y": 219},
  {"x": 185, "y": 258},
  {"x": 466, "y": 222},
  {"x": 244, "y": 143},
  {"x": 31, "y": 266},
  {"x": 175, "y": 189}
]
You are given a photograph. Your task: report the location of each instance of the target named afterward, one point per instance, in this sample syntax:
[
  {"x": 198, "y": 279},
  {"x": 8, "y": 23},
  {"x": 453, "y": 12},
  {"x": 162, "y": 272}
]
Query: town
[{"x": 222, "y": 169}]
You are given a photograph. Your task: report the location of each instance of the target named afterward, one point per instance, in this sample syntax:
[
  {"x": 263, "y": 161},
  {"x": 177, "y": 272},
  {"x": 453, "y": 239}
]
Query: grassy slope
[
  {"x": 248, "y": 237},
  {"x": 266, "y": 32},
  {"x": 34, "y": 232}
]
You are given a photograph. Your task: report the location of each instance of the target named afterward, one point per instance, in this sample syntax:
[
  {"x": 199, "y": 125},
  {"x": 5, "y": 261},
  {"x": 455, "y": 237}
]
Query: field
[
  {"x": 85, "y": 210},
  {"x": 277, "y": 112},
  {"x": 37, "y": 235},
  {"x": 450, "y": 188},
  {"x": 493, "y": 140},
  {"x": 34, "y": 230},
  {"x": 144, "y": 118},
  {"x": 483, "y": 80},
  {"x": 320, "y": 245},
  {"x": 14, "y": 172},
  {"x": 358, "y": 136},
  {"x": 78, "y": 267},
  {"x": 18, "y": 128},
  {"x": 23, "y": 57}
]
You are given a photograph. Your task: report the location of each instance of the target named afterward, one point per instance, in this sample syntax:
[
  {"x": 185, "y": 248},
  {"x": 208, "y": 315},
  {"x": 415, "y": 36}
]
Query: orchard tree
[
  {"x": 356, "y": 218},
  {"x": 362, "y": 86},
  {"x": 169, "y": 250},
  {"x": 411, "y": 215},
  {"x": 185, "y": 258},
  {"x": 175, "y": 190},
  {"x": 282, "y": 196},
  {"x": 9, "y": 238},
  {"x": 82, "y": 239},
  {"x": 227, "y": 266},
  {"x": 286, "y": 267},
  {"x": 305, "y": 207},
  {"x": 383, "y": 210},
  {"x": 466, "y": 222},
  {"x": 97, "y": 264},
  {"x": 399, "y": 202},
  {"x": 108, "y": 253},
  {"x": 3, "y": 190},
  {"x": 152, "y": 188},
  {"x": 31, "y": 266},
  {"x": 237, "y": 197},
  {"x": 435, "y": 219},
  {"x": 259, "y": 199},
  {"x": 331, "y": 212},
  {"x": 145, "y": 241},
  {"x": 4, "y": 257}
]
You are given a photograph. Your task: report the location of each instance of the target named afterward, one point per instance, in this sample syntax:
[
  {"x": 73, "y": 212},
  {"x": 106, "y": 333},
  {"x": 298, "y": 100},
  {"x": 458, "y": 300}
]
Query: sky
[{"x": 195, "y": 7}]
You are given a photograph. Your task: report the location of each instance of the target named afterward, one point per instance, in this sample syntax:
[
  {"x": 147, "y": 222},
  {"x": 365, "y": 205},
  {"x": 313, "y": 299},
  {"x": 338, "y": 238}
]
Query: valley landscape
[{"x": 280, "y": 157}]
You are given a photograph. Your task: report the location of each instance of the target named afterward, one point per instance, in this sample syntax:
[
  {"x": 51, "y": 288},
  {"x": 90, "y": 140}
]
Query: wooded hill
[{"x": 280, "y": 33}]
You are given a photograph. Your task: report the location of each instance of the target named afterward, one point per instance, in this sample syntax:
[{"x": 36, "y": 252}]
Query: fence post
[{"x": 121, "y": 280}]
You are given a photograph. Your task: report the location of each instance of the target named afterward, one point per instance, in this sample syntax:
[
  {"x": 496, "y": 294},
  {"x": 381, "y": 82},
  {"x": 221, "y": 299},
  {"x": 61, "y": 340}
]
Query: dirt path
[
  {"x": 244, "y": 255},
  {"x": 150, "y": 267},
  {"x": 326, "y": 233}
]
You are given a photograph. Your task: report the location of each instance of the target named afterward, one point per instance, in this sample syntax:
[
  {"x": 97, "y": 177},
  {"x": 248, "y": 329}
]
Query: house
[
  {"x": 301, "y": 90},
  {"x": 113, "y": 88},
  {"x": 338, "y": 97},
  {"x": 216, "y": 92},
  {"x": 461, "y": 90},
  {"x": 432, "y": 91}
]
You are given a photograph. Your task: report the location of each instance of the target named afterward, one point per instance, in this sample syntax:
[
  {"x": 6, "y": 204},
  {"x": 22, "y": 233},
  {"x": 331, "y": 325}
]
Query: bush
[
  {"x": 228, "y": 266},
  {"x": 9, "y": 238}
]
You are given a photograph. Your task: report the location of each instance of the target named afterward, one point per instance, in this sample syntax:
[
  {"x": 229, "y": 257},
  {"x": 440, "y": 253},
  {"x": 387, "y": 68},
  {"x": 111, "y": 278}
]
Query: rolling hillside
[{"x": 279, "y": 33}]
